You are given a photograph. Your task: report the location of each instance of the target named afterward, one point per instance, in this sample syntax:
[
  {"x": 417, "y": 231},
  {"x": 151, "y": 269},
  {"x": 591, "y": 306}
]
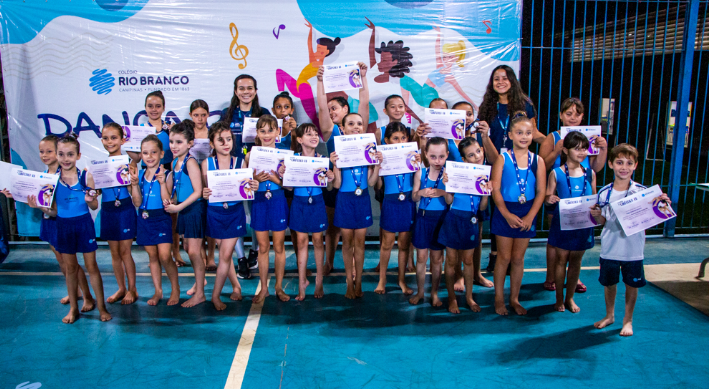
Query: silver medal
[
  {"x": 91, "y": 193},
  {"x": 268, "y": 195},
  {"x": 358, "y": 191},
  {"x": 473, "y": 220},
  {"x": 522, "y": 199},
  {"x": 145, "y": 214},
  {"x": 402, "y": 197},
  {"x": 117, "y": 203},
  {"x": 226, "y": 206},
  {"x": 44, "y": 215},
  {"x": 310, "y": 200}
]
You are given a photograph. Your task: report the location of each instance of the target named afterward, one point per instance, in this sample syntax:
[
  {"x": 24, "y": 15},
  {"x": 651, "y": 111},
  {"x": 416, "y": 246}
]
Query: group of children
[{"x": 166, "y": 180}]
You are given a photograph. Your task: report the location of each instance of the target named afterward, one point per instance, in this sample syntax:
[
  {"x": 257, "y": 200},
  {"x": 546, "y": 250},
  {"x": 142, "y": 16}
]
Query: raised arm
[
  {"x": 326, "y": 124},
  {"x": 372, "y": 56},
  {"x": 363, "y": 94},
  {"x": 550, "y": 151}
]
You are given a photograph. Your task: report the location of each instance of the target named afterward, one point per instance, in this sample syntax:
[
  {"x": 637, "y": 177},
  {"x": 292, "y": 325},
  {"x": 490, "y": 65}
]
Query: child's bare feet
[
  {"x": 416, "y": 299},
  {"x": 405, "y": 289},
  {"x": 559, "y": 307},
  {"x": 174, "y": 297},
  {"x": 282, "y": 295},
  {"x": 435, "y": 301},
  {"x": 627, "y": 329},
  {"x": 218, "y": 304},
  {"x": 236, "y": 295},
  {"x": 118, "y": 296},
  {"x": 89, "y": 304},
  {"x": 459, "y": 285},
  {"x": 191, "y": 291},
  {"x": 482, "y": 281},
  {"x": 319, "y": 291},
  {"x": 65, "y": 300},
  {"x": 71, "y": 317},
  {"x": 156, "y": 298},
  {"x": 453, "y": 305},
  {"x": 327, "y": 269},
  {"x": 500, "y": 308},
  {"x": 571, "y": 305},
  {"x": 301, "y": 290},
  {"x": 129, "y": 298},
  {"x": 472, "y": 304},
  {"x": 178, "y": 259},
  {"x": 350, "y": 294},
  {"x": 261, "y": 296},
  {"x": 605, "y": 322},
  {"x": 195, "y": 300},
  {"x": 104, "y": 315},
  {"x": 210, "y": 266},
  {"x": 381, "y": 287},
  {"x": 518, "y": 308}
]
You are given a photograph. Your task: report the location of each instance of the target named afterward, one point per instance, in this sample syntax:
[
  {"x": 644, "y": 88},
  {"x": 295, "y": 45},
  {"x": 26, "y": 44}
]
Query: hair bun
[
  {"x": 284, "y": 93},
  {"x": 337, "y": 41},
  {"x": 71, "y": 134}
]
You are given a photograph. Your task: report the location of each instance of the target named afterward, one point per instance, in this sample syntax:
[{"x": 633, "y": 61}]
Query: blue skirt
[
  {"x": 154, "y": 230},
  {"x": 227, "y": 223},
  {"x": 397, "y": 215},
  {"x": 427, "y": 229},
  {"x": 118, "y": 223},
  {"x": 458, "y": 232},
  {"x": 499, "y": 226},
  {"x": 48, "y": 230},
  {"x": 306, "y": 217},
  {"x": 330, "y": 197},
  {"x": 269, "y": 214},
  {"x": 353, "y": 212},
  {"x": 572, "y": 240},
  {"x": 192, "y": 221},
  {"x": 76, "y": 235}
]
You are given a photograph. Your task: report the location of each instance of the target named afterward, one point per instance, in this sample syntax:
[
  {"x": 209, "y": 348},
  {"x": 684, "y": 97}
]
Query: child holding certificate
[
  {"x": 283, "y": 109},
  {"x": 398, "y": 211},
  {"x": 429, "y": 189},
  {"x": 186, "y": 201},
  {"x": 226, "y": 222},
  {"x": 353, "y": 212},
  {"x": 307, "y": 212},
  {"x": 461, "y": 232},
  {"x": 269, "y": 213},
  {"x": 569, "y": 180},
  {"x": 425, "y": 128},
  {"x": 150, "y": 194},
  {"x": 118, "y": 221},
  {"x": 620, "y": 253},
  {"x": 519, "y": 182}
]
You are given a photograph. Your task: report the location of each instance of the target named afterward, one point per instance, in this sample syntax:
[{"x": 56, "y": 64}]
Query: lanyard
[
  {"x": 522, "y": 188},
  {"x": 78, "y": 177},
  {"x": 435, "y": 186},
  {"x": 610, "y": 191},
  {"x": 400, "y": 177},
  {"x": 231, "y": 162},
  {"x": 568, "y": 181},
  {"x": 504, "y": 126},
  {"x": 144, "y": 204},
  {"x": 178, "y": 174},
  {"x": 357, "y": 181},
  {"x": 162, "y": 122}
]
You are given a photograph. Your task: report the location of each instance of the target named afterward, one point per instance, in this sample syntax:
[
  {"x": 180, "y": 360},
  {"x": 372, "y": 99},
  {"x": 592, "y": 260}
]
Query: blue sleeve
[{"x": 223, "y": 118}]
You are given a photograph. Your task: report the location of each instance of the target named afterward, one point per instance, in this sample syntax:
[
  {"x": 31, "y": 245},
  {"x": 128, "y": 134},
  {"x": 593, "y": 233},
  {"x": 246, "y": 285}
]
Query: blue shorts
[
  {"x": 353, "y": 212},
  {"x": 572, "y": 240},
  {"x": 118, "y": 223},
  {"x": 633, "y": 273},
  {"x": 330, "y": 197},
  {"x": 458, "y": 232},
  {"x": 500, "y": 227},
  {"x": 192, "y": 221},
  {"x": 76, "y": 235},
  {"x": 427, "y": 229},
  {"x": 269, "y": 214},
  {"x": 48, "y": 230},
  {"x": 397, "y": 216},
  {"x": 154, "y": 230},
  {"x": 306, "y": 217},
  {"x": 227, "y": 223}
]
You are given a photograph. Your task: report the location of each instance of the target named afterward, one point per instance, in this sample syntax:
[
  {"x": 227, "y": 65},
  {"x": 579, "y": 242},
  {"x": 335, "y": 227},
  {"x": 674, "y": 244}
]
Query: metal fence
[{"x": 628, "y": 61}]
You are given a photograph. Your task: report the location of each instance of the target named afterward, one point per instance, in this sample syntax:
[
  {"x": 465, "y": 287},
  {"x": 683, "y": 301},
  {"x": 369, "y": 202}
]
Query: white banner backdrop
[{"x": 75, "y": 66}]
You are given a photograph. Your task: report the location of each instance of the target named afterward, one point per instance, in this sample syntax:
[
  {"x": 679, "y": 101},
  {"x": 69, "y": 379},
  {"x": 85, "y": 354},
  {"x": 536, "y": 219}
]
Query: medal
[
  {"x": 357, "y": 182},
  {"x": 226, "y": 206},
  {"x": 358, "y": 191},
  {"x": 117, "y": 203},
  {"x": 91, "y": 192},
  {"x": 310, "y": 200},
  {"x": 522, "y": 199},
  {"x": 522, "y": 184},
  {"x": 44, "y": 215},
  {"x": 402, "y": 196},
  {"x": 268, "y": 195},
  {"x": 145, "y": 214},
  {"x": 473, "y": 220}
]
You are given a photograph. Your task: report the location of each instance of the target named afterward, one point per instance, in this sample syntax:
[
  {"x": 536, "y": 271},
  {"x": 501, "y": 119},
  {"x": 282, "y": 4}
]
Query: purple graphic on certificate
[
  {"x": 592, "y": 148},
  {"x": 126, "y": 133},
  {"x": 370, "y": 151},
  {"x": 663, "y": 210},
  {"x": 355, "y": 80},
  {"x": 122, "y": 175},
  {"x": 411, "y": 161},
  {"x": 281, "y": 164},
  {"x": 320, "y": 177},
  {"x": 245, "y": 189},
  {"x": 481, "y": 185},
  {"x": 458, "y": 129},
  {"x": 45, "y": 195},
  {"x": 593, "y": 220}
]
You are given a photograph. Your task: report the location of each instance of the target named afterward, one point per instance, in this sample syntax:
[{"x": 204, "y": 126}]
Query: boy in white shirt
[{"x": 620, "y": 253}]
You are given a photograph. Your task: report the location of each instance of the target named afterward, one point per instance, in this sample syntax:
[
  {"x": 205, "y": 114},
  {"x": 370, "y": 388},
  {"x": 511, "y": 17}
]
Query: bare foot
[
  {"x": 236, "y": 295},
  {"x": 218, "y": 304},
  {"x": 301, "y": 290},
  {"x": 210, "y": 266},
  {"x": 453, "y": 305},
  {"x": 191, "y": 291},
  {"x": 358, "y": 292},
  {"x": 482, "y": 281},
  {"x": 282, "y": 295},
  {"x": 473, "y": 305},
  {"x": 318, "y": 291},
  {"x": 405, "y": 289},
  {"x": 381, "y": 288},
  {"x": 500, "y": 308},
  {"x": 178, "y": 260},
  {"x": 518, "y": 309},
  {"x": 415, "y": 299},
  {"x": 104, "y": 315},
  {"x": 174, "y": 298},
  {"x": 118, "y": 296},
  {"x": 195, "y": 300},
  {"x": 559, "y": 307},
  {"x": 156, "y": 298},
  {"x": 71, "y": 317},
  {"x": 459, "y": 285},
  {"x": 65, "y": 300},
  {"x": 261, "y": 296},
  {"x": 89, "y": 304},
  {"x": 327, "y": 269},
  {"x": 435, "y": 301},
  {"x": 605, "y": 322},
  {"x": 376, "y": 269},
  {"x": 572, "y": 306},
  {"x": 627, "y": 329},
  {"x": 129, "y": 298},
  {"x": 350, "y": 294},
  {"x": 410, "y": 268}
]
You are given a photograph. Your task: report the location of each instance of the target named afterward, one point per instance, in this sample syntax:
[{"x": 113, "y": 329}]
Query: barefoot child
[
  {"x": 118, "y": 222},
  {"x": 307, "y": 212},
  {"x": 570, "y": 180},
  {"x": 461, "y": 233},
  {"x": 149, "y": 190},
  {"x": 519, "y": 182},
  {"x": 186, "y": 202},
  {"x": 620, "y": 254},
  {"x": 430, "y": 190},
  {"x": 398, "y": 212}
]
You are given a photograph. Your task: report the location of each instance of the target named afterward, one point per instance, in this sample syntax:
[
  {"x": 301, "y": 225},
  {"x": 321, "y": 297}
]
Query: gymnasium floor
[{"x": 374, "y": 342}]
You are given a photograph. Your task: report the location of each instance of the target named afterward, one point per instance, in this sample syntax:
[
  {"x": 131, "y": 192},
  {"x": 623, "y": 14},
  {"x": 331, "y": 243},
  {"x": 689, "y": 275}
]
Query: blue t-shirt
[
  {"x": 436, "y": 203},
  {"x": 236, "y": 123},
  {"x": 70, "y": 200},
  {"x": 509, "y": 186}
]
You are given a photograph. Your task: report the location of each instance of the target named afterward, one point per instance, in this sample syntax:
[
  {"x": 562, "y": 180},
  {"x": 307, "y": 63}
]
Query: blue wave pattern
[
  {"x": 21, "y": 21},
  {"x": 102, "y": 81},
  {"x": 343, "y": 18}
]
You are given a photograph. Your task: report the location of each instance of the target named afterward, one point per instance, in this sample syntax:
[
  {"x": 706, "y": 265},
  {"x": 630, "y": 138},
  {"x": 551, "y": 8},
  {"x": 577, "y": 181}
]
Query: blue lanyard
[
  {"x": 610, "y": 191},
  {"x": 568, "y": 181},
  {"x": 163, "y": 125},
  {"x": 144, "y": 204},
  {"x": 78, "y": 176},
  {"x": 522, "y": 188},
  {"x": 504, "y": 126},
  {"x": 231, "y": 162},
  {"x": 357, "y": 182},
  {"x": 400, "y": 177},
  {"x": 435, "y": 186},
  {"x": 308, "y": 188},
  {"x": 472, "y": 204},
  {"x": 178, "y": 174}
]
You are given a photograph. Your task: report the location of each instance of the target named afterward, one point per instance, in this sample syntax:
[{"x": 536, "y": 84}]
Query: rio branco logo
[{"x": 102, "y": 81}]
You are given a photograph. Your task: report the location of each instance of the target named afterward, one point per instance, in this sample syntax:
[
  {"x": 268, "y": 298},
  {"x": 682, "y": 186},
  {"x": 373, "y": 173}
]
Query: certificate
[
  {"x": 575, "y": 213},
  {"x": 266, "y": 159},
  {"x": 398, "y": 158},
  {"x": 29, "y": 183},
  {"x": 356, "y": 150},
  {"x": 446, "y": 123},
  {"x": 6, "y": 174},
  {"x": 468, "y": 178},
  {"x": 230, "y": 185},
  {"x": 342, "y": 77},
  {"x": 306, "y": 171},
  {"x": 249, "y": 134},
  {"x": 201, "y": 150},
  {"x": 642, "y": 210},
  {"x": 591, "y": 132},
  {"x": 110, "y": 172},
  {"x": 134, "y": 135}
]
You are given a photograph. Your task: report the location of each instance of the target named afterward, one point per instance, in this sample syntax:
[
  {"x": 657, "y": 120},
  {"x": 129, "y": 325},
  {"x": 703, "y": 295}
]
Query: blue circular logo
[{"x": 102, "y": 81}]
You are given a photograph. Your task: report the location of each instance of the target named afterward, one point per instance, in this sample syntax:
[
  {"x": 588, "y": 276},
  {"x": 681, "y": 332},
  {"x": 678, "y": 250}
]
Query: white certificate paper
[
  {"x": 399, "y": 158},
  {"x": 133, "y": 135},
  {"x": 306, "y": 171},
  {"x": 30, "y": 183},
  {"x": 341, "y": 77},
  {"x": 642, "y": 210},
  {"x": 575, "y": 213},
  {"x": 356, "y": 150},
  {"x": 446, "y": 123},
  {"x": 110, "y": 172},
  {"x": 591, "y": 132},
  {"x": 249, "y": 134},
  {"x": 201, "y": 149},
  {"x": 6, "y": 170},
  {"x": 467, "y": 178},
  {"x": 230, "y": 185},
  {"x": 265, "y": 159}
]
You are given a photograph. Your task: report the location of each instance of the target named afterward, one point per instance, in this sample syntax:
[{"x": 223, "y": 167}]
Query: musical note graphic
[
  {"x": 281, "y": 27},
  {"x": 489, "y": 29},
  {"x": 241, "y": 51}
]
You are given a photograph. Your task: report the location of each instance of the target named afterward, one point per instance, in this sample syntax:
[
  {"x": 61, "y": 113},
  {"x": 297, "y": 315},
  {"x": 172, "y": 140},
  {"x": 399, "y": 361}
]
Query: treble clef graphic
[{"x": 241, "y": 51}]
